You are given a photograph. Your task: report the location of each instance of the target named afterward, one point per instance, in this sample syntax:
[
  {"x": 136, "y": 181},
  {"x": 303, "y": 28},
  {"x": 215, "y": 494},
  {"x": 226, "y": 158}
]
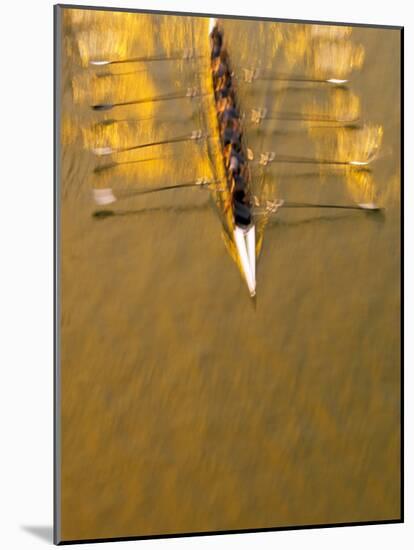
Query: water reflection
[{"x": 118, "y": 72}]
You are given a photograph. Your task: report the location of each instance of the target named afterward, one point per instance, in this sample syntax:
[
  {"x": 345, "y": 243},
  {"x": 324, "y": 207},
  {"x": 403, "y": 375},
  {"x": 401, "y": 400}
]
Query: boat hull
[{"x": 245, "y": 240}]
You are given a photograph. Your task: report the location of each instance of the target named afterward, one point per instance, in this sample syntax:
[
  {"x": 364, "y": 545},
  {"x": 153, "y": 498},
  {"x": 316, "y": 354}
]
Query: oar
[
  {"x": 269, "y": 157},
  {"x": 111, "y": 121},
  {"x": 288, "y": 87},
  {"x": 257, "y": 74},
  {"x": 106, "y": 196},
  {"x": 102, "y": 151},
  {"x": 109, "y": 74},
  {"x": 191, "y": 92},
  {"x": 110, "y": 165},
  {"x": 186, "y": 54},
  {"x": 367, "y": 207},
  {"x": 302, "y": 129},
  {"x": 273, "y": 206},
  {"x": 257, "y": 115},
  {"x": 103, "y": 214}
]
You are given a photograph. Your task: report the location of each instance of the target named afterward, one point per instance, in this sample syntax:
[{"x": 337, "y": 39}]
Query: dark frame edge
[
  {"x": 56, "y": 273},
  {"x": 402, "y": 127},
  {"x": 251, "y": 531},
  {"x": 228, "y": 16}
]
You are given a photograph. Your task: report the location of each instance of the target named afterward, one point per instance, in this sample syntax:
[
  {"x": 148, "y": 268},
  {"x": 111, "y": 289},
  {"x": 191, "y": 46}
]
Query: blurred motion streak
[{"x": 187, "y": 406}]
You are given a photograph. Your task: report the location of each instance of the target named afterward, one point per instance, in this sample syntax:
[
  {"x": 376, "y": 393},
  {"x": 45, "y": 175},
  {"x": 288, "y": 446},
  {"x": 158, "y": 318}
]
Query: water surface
[{"x": 186, "y": 406}]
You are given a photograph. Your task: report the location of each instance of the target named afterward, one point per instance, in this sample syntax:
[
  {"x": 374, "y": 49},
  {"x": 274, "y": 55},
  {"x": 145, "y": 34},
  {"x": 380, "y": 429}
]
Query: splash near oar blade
[
  {"x": 103, "y": 196},
  {"x": 369, "y": 206},
  {"x": 102, "y": 151},
  {"x": 99, "y": 63}
]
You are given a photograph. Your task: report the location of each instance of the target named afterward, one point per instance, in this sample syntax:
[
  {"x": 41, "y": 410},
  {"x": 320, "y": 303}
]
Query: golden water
[{"x": 186, "y": 406}]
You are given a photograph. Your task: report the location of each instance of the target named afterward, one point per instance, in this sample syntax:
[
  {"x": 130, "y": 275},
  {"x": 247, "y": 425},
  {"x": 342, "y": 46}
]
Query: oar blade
[
  {"x": 359, "y": 162},
  {"x": 99, "y": 63},
  {"x": 103, "y": 196},
  {"x": 102, "y": 107},
  {"x": 102, "y": 151},
  {"x": 370, "y": 206},
  {"x": 102, "y": 214}
]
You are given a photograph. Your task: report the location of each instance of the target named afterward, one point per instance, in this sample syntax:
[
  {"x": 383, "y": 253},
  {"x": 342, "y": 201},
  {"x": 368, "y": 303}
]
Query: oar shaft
[
  {"x": 250, "y": 75},
  {"x": 201, "y": 184},
  {"x": 259, "y": 114},
  {"x": 110, "y": 74},
  {"x": 303, "y": 129},
  {"x": 106, "y": 196},
  {"x": 294, "y": 160},
  {"x": 339, "y": 206},
  {"x": 292, "y": 79},
  {"x": 153, "y": 143},
  {"x": 156, "y": 118},
  {"x": 298, "y": 160},
  {"x": 111, "y": 165},
  {"x": 167, "y": 97},
  {"x": 151, "y": 58},
  {"x": 110, "y": 121},
  {"x": 308, "y": 118},
  {"x": 166, "y": 188}
]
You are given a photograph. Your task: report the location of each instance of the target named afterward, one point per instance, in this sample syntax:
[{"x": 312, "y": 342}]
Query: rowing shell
[{"x": 244, "y": 237}]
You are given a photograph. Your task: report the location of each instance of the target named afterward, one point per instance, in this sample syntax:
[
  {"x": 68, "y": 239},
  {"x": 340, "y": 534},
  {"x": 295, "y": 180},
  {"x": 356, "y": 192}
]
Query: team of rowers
[{"x": 230, "y": 130}]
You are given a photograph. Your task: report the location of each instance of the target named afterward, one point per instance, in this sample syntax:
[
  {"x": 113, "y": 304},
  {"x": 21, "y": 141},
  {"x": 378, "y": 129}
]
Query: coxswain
[
  {"x": 239, "y": 183},
  {"x": 241, "y": 208},
  {"x": 235, "y": 161}
]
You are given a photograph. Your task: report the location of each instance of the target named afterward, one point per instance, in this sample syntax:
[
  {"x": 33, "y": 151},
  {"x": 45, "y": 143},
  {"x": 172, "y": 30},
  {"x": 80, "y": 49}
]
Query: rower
[
  {"x": 219, "y": 68},
  {"x": 222, "y": 92},
  {"x": 227, "y": 114},
  {"x": 223, "y": 87},
  {"x": 236, "y": 156},
  {"x": 225, "y": 81},
  {"x": 216, "y": 36},
  {"x": 234, "y": 165},
  {"x": 231, "y": 133},
  {"x": 215, "y": 52},
  {"x": 217, "y": 42},
  {"x": 221, "y": 106}
]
